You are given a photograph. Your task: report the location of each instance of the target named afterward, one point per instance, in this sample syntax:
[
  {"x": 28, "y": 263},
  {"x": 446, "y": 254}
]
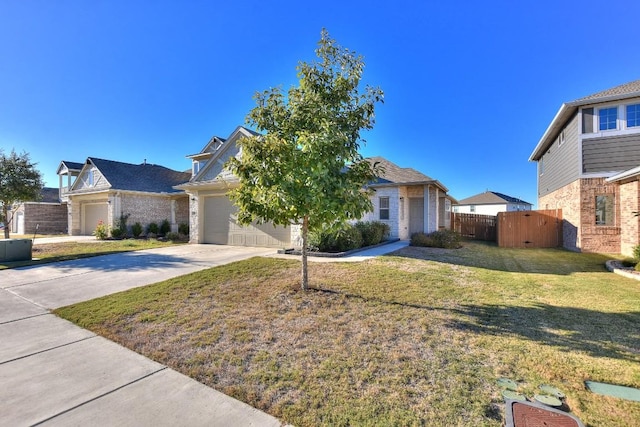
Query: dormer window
[{"x": 197, "y": 166}]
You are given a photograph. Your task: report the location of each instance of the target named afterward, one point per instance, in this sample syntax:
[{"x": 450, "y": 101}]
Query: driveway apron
[{"x": 55, "y": 373}]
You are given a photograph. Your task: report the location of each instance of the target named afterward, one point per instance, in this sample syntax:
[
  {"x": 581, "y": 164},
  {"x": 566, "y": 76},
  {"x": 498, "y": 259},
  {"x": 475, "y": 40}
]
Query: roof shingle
[
  {"x": 143, "y": 177},
  {"x": 490, "y": 198}
]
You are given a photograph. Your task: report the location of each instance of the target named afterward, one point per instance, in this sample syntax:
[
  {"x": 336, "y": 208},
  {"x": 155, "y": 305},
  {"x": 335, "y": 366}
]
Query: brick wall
[
  {"x": 566, "y": 198},
  {"x": 629, "y": 222},
  {"x": 394, "y": 209},
  {"x": 148, "y": 209},
  {"x": 598, "y": 238},
  {"x": 578, "y": 203}
]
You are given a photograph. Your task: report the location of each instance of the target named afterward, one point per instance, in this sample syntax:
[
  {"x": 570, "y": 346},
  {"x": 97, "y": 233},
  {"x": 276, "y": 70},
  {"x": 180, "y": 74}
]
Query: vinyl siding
[
  {"x": 561, "y": 162},
  {"x": 611, "y": 154}
]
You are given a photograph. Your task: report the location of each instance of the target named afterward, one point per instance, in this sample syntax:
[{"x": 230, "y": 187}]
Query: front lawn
[
  {"x": 53, "y": 252},
  {"x": 417, "y": 338}
]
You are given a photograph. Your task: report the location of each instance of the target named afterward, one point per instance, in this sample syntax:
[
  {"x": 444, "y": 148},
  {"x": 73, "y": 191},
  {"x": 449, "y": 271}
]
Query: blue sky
[{"x": 470, "y": 86}]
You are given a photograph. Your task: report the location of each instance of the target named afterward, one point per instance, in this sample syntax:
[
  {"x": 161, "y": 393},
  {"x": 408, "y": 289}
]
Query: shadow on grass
[
  {"x": 596, "y": 333},
  {"x": 489, "y": 256}
]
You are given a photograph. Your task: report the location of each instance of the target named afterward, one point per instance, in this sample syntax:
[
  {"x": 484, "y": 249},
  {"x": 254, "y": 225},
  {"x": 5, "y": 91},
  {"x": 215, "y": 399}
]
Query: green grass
[
  {"x": 417, "y": 338},
  {"x": 53, "y": 252}
]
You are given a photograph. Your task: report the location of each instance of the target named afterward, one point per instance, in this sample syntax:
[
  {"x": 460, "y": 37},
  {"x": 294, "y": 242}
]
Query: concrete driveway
[{"x": 55, "y": 373}]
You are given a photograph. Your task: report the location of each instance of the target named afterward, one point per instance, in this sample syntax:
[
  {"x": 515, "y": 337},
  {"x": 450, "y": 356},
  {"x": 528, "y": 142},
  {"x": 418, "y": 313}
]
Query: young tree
[
  {"x": 306, "y": 168},
  {"x": 20, "y": 181}
]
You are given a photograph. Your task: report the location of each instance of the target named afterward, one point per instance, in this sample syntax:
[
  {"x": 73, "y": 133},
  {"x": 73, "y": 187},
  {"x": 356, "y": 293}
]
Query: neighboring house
[
  {"x": 399, "y": 201},
  {"x": 409, "y": 201},
  {"x": 490, "y": 203},
  {"x": 104, "y": 190},
  {"x": 47, "y": 215},
  {"x": 589, "y": 165}
]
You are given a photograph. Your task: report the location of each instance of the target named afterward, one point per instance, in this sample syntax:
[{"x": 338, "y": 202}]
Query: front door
[{"x": 416, "y": 215}]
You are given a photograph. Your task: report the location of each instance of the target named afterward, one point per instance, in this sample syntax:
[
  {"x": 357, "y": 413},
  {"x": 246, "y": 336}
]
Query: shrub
[
  {"x": 119, "y": 229},
  {"x": 152, "y": 228},
  {"x": 174, "y": 237},
  {"x": 637, "y": 267},
  {"x": 373, "y": 232},
  {"x": 345, "y": 239},
  {"x": 136, "y": 230},
  {"x": 102, "y": 231},
  {"x": 183, "y": 229},
  {"x": 165, "y": 227},
  {"x": 446, "y": 239},
  {"x": 636, "y": 252}
]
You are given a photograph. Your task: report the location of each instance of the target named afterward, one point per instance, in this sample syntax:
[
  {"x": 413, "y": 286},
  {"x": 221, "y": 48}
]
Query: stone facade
[
  {"x": 578, "y": 203},
  {"x": 147, "y": 209}
]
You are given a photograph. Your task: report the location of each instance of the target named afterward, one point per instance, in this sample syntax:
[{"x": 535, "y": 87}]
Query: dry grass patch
[{"x": 413, "y": 339}]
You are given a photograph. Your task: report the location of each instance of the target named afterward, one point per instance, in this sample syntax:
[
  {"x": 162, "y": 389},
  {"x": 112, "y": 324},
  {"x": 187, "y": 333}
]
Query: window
[
  {"x": 472, "y": 208},
  {"x": 541, "y": 166},
  {"x": 608, "y": 118},
  {"x": 91, "y": 178},
  {"x": 561, "y": 139},
  {"x": 633, "y": 115},
  {"x": 384, "y": 208},
  {"x": 605, "y": 209}
]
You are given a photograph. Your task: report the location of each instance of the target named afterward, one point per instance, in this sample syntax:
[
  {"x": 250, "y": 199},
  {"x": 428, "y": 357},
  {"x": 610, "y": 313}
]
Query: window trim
[
  {"x": 636, "y": 118},
  {"x": 616, "y": 126},
  {"x": 602, "y": 213},
  {"x": 382, "y": 209}
]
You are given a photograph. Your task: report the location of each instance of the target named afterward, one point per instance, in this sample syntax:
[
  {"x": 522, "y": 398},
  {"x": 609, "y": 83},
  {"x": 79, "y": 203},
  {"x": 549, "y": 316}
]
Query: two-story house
[{"x": 589, "y": 165}]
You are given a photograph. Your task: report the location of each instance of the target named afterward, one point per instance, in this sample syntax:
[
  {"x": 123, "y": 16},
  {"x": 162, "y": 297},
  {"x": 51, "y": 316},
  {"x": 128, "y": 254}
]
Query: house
[
  {"x": 47, "y": 215},
  {"x": 409, "y": 201},
  {"x": 406, "y": 199},
  {"x": 104, "y": 190},
  {"x": 490, "y": 203},
  {"x": 589, "y": 165}
]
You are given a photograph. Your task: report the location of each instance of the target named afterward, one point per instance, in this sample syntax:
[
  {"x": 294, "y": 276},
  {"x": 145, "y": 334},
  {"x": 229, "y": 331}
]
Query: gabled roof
[
  {"x": 567, "y": 111},
  {"x": 70, "y": 166},
  {"x": 490, "y": 198},
  {"x": 142, "y": 177},
  {"x": 393, "y": 174}
]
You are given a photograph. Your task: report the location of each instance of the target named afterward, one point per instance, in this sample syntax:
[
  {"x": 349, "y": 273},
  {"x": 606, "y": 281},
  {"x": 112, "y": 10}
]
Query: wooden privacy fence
[
  {"x": 474, "y": 226},
  {"x": 530, "y": 229}
]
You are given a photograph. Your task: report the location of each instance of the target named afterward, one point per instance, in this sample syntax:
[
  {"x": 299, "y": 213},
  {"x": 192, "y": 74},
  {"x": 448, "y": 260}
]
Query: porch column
[
  {"x": 174, "y": 226},
  {"x": 426, "y": 209}
]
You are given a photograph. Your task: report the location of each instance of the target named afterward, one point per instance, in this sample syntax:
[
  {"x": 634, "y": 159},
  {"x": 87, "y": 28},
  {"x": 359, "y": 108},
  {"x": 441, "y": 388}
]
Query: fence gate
[
  {"x": 474, "y": 226},
  {"x": 530, "y": 229}
]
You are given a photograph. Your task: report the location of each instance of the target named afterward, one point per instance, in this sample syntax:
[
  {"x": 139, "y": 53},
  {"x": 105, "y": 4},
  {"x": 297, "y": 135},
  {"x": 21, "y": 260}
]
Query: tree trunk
[
  {"x": 305, "y": 274},
  {"x": 5, "y": 215}
]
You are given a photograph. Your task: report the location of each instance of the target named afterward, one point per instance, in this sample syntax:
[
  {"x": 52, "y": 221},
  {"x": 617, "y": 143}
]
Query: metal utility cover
[
  {"x": 529, "y": 414},
  {"x": 628, "y": 393}
]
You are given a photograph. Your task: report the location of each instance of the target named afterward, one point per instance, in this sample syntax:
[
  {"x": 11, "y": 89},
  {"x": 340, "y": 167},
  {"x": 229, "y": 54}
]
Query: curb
[{"x": 613, "y": 266}]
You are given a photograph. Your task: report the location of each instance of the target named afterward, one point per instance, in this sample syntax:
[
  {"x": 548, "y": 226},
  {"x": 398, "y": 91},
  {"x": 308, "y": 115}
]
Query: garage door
[
  {"x": 92, "y": 214},
  {"x": 221, "y": 227}
]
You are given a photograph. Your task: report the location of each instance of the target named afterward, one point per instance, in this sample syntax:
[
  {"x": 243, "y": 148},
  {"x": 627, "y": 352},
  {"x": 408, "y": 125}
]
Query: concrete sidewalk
[{"x": 55, "y": 373}]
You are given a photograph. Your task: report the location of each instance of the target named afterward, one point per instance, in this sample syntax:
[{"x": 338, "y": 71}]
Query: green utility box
[{"x": 15, "y": 249}]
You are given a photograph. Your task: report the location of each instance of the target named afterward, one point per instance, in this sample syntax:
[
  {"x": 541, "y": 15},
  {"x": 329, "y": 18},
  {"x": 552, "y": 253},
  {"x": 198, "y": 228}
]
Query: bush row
[
  {"x": 447, "y": 239},
  {"x": 120, "y": 230},
  {"x": 351, "y": 236}
]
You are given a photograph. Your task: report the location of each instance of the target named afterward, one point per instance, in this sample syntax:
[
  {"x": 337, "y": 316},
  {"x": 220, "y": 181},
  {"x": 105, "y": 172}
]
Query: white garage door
[
  {"x": 92, "y": 214},
  {"x": 221, "y": 227}
]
